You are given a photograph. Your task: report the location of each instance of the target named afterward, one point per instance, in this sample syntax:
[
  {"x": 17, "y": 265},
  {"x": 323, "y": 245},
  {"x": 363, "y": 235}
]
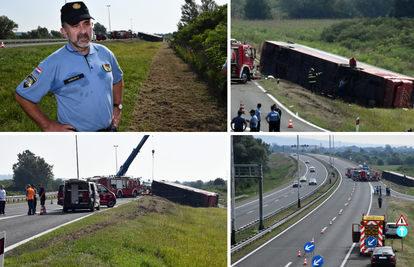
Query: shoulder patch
[
  {"x": 29, "y": 81},
  {"x": 37, "y": 71},
  {"x": 107, "y": 67}
]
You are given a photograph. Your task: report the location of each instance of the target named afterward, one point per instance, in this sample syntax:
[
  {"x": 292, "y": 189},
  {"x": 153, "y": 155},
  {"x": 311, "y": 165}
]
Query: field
[
  {"x": 135, "y": 58},
  {"x": 330, "y": 114},
  {"x": 147, "y": 232}
]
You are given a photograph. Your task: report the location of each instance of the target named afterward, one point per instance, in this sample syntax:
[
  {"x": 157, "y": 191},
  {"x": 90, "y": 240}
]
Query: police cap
[{"x": 73, "y": 12}]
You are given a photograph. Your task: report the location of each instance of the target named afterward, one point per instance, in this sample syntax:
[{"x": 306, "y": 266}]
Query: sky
[
  {"x": 182, "y": 157},
  {"x": 156, "y": 16},
  {"x": 344, "y": 139}
]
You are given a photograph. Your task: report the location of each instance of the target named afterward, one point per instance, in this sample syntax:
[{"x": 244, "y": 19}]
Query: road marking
[
  {"x": 334, "y": 219},
  {"x": 20, "y": 215},
  {"x": 249, "y": 212},
  {"x": 285, "y": 196},
  {"x": 264, "y": 205},
  {"x": 263, "y": 197},
  {"x": 276, "y": 200},
  {"x": 288, "y": 264}
]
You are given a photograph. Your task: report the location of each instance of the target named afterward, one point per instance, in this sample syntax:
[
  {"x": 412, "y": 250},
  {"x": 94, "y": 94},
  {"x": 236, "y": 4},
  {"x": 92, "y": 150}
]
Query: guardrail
[
  {"x": 235, "y": 248},
  {"x": 15, "y": 199},
  {"x": 19, "y": 41}
]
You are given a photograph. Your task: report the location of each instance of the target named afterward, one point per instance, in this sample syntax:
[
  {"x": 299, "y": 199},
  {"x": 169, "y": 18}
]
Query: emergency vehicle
[
  {"x": 242, "y": 61},
  {"x": 369, "y": 233},
  {"x": 121, "y": 186}
]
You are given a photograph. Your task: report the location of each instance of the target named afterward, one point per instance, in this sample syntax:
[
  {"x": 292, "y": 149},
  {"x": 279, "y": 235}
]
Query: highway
[
  {"x": 252, "y": 93},
  {"x": 248, "y": 210},
  {"x": 335, "y": 243},
  {"x": 19, "y": 226}
]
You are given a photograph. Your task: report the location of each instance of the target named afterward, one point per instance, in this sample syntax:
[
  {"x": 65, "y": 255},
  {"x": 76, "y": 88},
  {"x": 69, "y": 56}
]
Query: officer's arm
[
  {"x": 117, "y": 94},
  {"x": 36, "y": 114}
]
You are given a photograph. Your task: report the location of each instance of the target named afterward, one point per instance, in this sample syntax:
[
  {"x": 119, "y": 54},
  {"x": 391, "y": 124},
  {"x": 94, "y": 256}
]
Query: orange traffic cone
[
  {"x": 290, "y": 123},
  {"x": 2, "y": 45},
  {"x": 299, "y": 254},
  {"x": 330, "y": 223},
  {"x": 41, "y": 210},
  {"x": 322, "y": 231},
  {"x": 305, "y": 263},
  {"x": 242, "y": 107},
  {"x": 313, "y": 241}
]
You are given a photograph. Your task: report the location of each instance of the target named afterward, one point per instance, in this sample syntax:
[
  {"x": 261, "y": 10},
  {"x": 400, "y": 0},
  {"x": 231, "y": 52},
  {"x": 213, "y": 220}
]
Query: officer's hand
[
  {"x": 56, "y": 126},
  {"x": 116, "y": 119}
]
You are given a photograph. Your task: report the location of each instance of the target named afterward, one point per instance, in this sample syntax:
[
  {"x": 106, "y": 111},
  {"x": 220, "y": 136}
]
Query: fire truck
[
  {"x": 242, "y": 61},
  {"x": 369, "y": 233},
  {"x": 120, "y": 34},
  {"x": 100, "y": 36},
  {"x": 120, "y": 184}
]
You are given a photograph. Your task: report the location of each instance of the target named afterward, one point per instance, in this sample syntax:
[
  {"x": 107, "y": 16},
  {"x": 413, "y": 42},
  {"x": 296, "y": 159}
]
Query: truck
[
  {"x": 242, "y": 61},
  {"x": 369, "y": 233},
  {"x": 78, "y": 194},
  {"x": 100, "y": 36},
  {"x": 120, "y": 184},
  {"x": 150, "y": 37},
  {"x": 367, "y": 85}
]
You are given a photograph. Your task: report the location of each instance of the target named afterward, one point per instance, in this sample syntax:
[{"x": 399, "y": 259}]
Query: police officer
[
  {"x": 380, "y": 202},
  {"x": 253, "y": 121},
  {"x": 258, "y": 115},
  {"x": 272, "y": 118},
  {"x": 239, "y": 122},
  {"x": 85, "y": 78}
]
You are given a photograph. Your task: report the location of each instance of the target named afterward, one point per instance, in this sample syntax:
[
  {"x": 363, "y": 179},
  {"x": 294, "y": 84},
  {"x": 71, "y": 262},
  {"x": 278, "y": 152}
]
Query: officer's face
[{"x": 79, "y": 34}]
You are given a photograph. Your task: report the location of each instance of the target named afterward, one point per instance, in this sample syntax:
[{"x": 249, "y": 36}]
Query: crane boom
[{"x": 130, "y": 159}]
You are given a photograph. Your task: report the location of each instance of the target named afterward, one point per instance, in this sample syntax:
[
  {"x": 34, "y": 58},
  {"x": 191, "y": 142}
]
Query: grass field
[
  {"x": 148, "y": 232},
  {"x": 134, "y": 57}
]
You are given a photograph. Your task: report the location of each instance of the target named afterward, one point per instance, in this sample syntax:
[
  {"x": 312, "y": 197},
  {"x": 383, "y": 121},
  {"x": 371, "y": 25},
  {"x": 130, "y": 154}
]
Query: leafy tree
[
  {"x": 6, "y": 27},
  {"x": 97, "y": 27},
  {"x": 31, "y": 169},
  {"x": 219, "y": 181},
  {"x": 380, "y": 162},
  {"x": 189, "y": 12},
  {"x": 257, "y": 9},
  {"x": 207, "y": 6},
  {"x": 402, "y": 8},
  {"x": 56, "y": 34}
]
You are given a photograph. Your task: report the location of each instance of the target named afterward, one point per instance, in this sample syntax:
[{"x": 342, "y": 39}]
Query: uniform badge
[
  {"x": 76, "y": 6},
  {"x": 29, "y": 81},
  {"x": 107, "y": 67},
  {"x": 37, "y": 71}
]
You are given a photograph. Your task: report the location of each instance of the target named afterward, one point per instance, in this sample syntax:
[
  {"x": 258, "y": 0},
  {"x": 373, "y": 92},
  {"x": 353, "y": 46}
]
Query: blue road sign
[
  {"x": 317, "y": 261},
  {"x": 402, "y": 231},
  {"x": 371, "y": 242},
  {"x": 309, "y": 247}
]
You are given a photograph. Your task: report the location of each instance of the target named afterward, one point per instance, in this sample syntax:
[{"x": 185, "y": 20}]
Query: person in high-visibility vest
[
  {"x": 312, "y": 80},
  {"x": 30, "y": 199}
]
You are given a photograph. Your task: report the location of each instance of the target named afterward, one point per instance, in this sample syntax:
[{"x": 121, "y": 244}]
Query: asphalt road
[
  {"x": 19, "y": 226},
  {"x": 248, "y": 210},
  {"x": 251, "y": 93},
  {"x": 335, "y": 244}
]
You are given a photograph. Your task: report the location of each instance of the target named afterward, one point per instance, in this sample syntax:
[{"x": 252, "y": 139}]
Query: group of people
[
  {"x": 378, "y": 191},
  {"x": 239, "y": 124},
  {"x": 32, "y": 199}
]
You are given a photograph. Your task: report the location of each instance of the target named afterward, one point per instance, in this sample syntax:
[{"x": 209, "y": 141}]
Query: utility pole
[{"x": 109, "y": 17}]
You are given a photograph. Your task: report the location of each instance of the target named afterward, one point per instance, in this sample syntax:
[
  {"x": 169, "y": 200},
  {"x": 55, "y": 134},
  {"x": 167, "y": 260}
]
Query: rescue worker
[
  {"x": 312, "y": 80},
  {"x": 253, "y": 121},
  {"x": 272, "y": 117},
  {"x": 30, "y": 199},
  {"x": 380, "y": 202},
  {"x": 34, "y": 198},
  {"x": 352, "y": 62},
  {"x": 239, "y": 122},
  {"x": 42, "y": 196},
  {"x": 258, "y": 115},
  {"x": 84, "y": 77}
]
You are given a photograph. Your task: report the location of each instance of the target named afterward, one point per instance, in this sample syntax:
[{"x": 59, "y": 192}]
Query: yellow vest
[{"x": 30, "y": 194}]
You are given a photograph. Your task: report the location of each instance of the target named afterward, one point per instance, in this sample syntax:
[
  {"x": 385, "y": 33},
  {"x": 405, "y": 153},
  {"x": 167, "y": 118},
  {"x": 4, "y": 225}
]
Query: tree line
[{"x": 320, "y": 9}]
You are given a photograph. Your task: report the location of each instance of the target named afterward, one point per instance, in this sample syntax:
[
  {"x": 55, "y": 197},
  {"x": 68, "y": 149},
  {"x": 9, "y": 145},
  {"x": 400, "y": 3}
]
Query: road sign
[
  {"x": 309, "y": 247},
  {"x": 2, "y": 245},
  {"x": 317, "y": 261},
  {"x": 402, "y": 231},
  {"x": 401, "y": 221},
  {"x": 371, "y": 242}
]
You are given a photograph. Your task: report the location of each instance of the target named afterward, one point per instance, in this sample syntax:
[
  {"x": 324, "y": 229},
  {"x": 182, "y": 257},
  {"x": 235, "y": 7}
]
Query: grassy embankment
[
  {"x": 134, "y": 57},
  {"x": 382, "y": 52},
  {"x": 404, "y": 255},
  {"x": 281, "y": 171},
  {"x": 147, "y": 232}
]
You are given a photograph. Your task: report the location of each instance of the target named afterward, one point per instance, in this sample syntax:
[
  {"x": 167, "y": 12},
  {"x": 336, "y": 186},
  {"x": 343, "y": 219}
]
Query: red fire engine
[
  {"x": 121, "y": 186},
  {"x": 242, "y": 61}
]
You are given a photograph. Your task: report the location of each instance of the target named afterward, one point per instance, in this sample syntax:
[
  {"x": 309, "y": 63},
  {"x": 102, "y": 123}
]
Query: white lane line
[
  {"x": 249, "y": 212},
  {"x": 334, "y": 219},
  {"x": 288, "y": 264},
  {"x": 276, "y": 200},
  {"x": 20, "y": 215},
  {"x": 285, "y": 196},
  {"x": 263, "y": 197},
  {"x": 264, "y": 205}
]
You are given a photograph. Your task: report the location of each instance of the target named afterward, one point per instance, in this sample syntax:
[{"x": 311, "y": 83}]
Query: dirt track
[{"x": 175, "y": 99}]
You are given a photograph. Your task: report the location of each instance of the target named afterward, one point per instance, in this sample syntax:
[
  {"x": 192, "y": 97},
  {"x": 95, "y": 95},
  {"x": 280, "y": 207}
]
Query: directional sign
[
  {"x": 402, "y": 231},
  {"x": 317, "y": 261},
  {"x": 401, "y": 221},
  {"x": 371, "y": 242},
  {"x": 309, "y": 247}
]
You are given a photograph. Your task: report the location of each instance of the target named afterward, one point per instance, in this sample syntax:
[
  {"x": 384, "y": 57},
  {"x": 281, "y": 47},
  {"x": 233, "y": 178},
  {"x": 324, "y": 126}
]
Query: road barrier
[
  {"x": 16, "y": 199},
  {"x": 21, "y": 41}
]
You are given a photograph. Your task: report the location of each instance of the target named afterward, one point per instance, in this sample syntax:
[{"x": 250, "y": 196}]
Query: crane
[{"x": 124, "y": 168}]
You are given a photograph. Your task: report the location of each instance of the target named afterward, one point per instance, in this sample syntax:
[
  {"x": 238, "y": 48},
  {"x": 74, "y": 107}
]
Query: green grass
[
  {"x": 404, "y": 255},
  {"x": 149, "y": 232},
  {"x": 134, "y": 57},
  {"x": 281, "y": 171}
]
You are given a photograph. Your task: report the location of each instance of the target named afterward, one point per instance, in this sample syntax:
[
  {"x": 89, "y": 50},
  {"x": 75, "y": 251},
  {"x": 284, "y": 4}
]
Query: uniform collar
[{"x": 92, "y": 49}]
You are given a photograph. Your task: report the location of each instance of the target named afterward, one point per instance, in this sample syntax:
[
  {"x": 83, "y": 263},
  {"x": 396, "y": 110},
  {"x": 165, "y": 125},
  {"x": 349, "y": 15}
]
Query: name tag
[{"x": 74, "y": 78}]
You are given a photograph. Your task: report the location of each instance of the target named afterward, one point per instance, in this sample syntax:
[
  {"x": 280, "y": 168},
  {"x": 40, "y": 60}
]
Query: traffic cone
[
  {"x": 345, "y": 205},
  {"x": 341, "y": 210},
  {"x": 290, "y": 123},
  {"x": 41, "y": 210},
  {"x": 2, "y": 45},
  {"x": 330, "y": 223},
  {"x": 242, "y": 107},
  {"x": 299, "y": 254},
  {"x": 313, "y": 241},
  {"x": 305, "y": 263},
  {"x": 51, "y": 201},
  {"x": 322, "y": 231}
]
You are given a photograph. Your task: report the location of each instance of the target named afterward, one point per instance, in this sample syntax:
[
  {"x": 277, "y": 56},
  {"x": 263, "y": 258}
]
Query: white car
[
  {"x": 307, "y": 162},
  {"x": 312, "y": 169},
  {"x": 391, "y": 229}
]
